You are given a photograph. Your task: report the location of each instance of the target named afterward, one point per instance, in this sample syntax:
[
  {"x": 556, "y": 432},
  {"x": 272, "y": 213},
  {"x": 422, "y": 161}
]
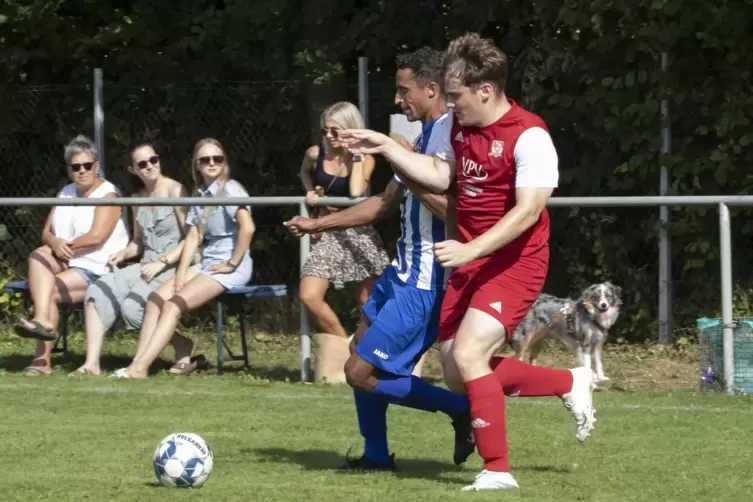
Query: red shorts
[{"x": 504, "y": 287}]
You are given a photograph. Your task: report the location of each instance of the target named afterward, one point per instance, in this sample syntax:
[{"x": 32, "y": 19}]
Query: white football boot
[
  {"x": 491, "y": 480},
  {"x": 580, "y": 401}
]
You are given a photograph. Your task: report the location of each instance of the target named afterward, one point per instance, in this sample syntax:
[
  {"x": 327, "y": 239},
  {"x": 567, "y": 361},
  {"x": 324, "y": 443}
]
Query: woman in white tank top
[{"x": 77, "y": 242}]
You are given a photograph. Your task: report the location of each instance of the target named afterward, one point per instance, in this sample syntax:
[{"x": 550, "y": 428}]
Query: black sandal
[{"x": 38, "y": 332}]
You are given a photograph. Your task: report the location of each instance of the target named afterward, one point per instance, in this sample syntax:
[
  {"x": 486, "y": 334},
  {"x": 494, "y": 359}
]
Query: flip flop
[
  {"x": 188, "y": 368},
  {"x": 38, "y": 332},
  {"x": 33, "y": 371},
  {"x": 119, "y": 373}
]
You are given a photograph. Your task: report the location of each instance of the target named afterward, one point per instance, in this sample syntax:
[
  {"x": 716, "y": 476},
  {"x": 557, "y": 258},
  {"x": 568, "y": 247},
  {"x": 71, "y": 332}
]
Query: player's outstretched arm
[
  {"x": 435, "y": 203},
  {"x": 433, "y": 173},
  {"x": 365, "y": 212}
]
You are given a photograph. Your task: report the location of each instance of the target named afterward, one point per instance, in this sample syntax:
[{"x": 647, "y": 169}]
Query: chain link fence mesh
[{"x": 265, "y": 128}]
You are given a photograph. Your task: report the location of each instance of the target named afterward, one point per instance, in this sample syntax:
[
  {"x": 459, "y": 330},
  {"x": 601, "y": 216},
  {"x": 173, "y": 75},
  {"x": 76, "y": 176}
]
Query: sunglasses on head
[
  {"x": 152, "y": 160},
  {"x": 335, "y": 132},
  {"x": 217, "y": 159},
  {"x": 77, "y": 167}
]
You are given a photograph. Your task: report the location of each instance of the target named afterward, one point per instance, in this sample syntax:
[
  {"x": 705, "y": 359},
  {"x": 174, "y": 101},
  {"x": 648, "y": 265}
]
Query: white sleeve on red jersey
[
  {"x": 439, "y": 143},
  {"x": 536, "y": 160}
]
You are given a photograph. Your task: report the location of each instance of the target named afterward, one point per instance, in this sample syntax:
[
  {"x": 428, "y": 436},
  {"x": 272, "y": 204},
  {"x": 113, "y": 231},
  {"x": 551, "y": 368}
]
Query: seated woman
[
  {"x": 77, "y": 242},
  {"x": 224, "y": 232},
  {"x": 157, "y": 235}
]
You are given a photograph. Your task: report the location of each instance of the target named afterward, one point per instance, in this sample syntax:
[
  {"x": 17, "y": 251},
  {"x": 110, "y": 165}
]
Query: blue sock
[
  {"x": 371, "y": 409},
  {"x": 414, "y": 392}
]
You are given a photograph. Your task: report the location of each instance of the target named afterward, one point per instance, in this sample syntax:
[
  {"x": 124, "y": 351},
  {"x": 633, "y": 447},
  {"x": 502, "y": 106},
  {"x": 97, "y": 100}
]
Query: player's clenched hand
[
  {"x": 298, "y": 225},
  {"x": 451, "y": 254},
  {"x": 364, "y": 141}
]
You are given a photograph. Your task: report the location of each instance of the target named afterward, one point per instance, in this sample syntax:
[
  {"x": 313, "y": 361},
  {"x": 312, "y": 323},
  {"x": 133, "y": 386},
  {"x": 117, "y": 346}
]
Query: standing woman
[
  {"x": 355, "y": 255},
  {"x": 224, "y": 234}
]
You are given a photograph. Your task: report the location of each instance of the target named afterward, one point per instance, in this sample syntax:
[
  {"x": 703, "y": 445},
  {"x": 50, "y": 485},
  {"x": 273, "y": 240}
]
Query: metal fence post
[
  {"x": 665, "y": 254},
  {"x": 303, "y": 255},
  {"x": 363, "y": 88},
  {"x": 363, "y": 98},
  {"x": 99, "y": 119},
  {"x": 725, "y": 255}
]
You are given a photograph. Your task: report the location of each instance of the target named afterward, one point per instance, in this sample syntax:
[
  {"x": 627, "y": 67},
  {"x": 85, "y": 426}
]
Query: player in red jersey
[{"x": 505, "y": 169}]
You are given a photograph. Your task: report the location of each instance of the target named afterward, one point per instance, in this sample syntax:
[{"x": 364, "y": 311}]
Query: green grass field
[{"x": 92, "y": 438}]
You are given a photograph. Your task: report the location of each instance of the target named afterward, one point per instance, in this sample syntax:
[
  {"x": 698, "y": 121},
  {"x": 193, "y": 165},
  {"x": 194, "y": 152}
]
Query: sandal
[
  {"x": 35, "y": 371},
  {"x": 189, "y": 367},
  {"x": 38, "y": 332}
]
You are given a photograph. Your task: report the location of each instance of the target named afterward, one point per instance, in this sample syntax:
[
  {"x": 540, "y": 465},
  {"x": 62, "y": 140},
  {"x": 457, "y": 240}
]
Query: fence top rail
[{"x": 628, "y": 201}]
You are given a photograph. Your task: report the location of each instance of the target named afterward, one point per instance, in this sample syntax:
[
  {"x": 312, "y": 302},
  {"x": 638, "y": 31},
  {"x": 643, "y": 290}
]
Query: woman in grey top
[
  {"x": 224, "y": 232},
  {"x": 157, "y": 235}
]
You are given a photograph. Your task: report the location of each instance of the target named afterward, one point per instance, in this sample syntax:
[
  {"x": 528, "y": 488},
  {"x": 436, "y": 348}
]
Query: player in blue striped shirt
[{"x": 400, "y": 320}]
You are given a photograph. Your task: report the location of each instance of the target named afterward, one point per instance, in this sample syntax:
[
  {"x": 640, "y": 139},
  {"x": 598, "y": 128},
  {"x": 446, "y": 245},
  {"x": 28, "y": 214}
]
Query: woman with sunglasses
[
  {"x": 77, "y": 243},
  {"x": 224, "y": 235},
  {"x": 355, "y": 255},
  {"x": 157, "y": 235}
]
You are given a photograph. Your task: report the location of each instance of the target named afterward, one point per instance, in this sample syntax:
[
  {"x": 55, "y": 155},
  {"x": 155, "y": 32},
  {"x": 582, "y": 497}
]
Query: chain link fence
[{"x": 265, "y": 128}]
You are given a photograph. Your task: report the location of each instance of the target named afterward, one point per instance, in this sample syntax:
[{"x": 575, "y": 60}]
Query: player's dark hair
[
  {"x": 425, "y": 63},
  {"x": 474, "y": 60}
]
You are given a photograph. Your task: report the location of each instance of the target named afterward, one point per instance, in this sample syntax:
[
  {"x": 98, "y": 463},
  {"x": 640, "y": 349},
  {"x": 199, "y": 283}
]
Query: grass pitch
[{"x": 92, "y": 438}]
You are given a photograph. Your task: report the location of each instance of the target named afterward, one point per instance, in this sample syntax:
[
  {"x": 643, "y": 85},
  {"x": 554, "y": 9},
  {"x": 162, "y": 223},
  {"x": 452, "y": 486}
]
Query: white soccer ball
[{"x": 183, "y": 460}]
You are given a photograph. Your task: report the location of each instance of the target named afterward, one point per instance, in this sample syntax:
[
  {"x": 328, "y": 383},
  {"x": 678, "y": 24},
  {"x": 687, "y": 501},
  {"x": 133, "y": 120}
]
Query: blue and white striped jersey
[{"x": 420, "y": 229}]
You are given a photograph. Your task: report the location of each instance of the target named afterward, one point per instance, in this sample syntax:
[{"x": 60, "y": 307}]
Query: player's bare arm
[
  {"x": 437, "y": 204},
  {"x": 365, "y": 212},
  {"x": 432, "y": 173},
  {"x": 530, "y": 202}
]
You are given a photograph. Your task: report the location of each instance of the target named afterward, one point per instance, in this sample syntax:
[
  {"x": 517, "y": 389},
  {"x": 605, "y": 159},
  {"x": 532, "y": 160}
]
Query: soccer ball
[{"x": 183, "y": 460}]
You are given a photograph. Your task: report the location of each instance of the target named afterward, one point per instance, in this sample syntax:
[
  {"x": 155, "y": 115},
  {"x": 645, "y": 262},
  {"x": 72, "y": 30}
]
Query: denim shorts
[{"x": 87, "y": 274}]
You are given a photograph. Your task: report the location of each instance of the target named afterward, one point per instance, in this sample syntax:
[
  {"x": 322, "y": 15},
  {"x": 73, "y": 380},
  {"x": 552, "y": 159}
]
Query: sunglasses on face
[
  {"x": 78, "y": 166},
  {"x": 217, "y": 159},
  {"x": 335, "y": 132},
  {"x": 153, "y": 160}
]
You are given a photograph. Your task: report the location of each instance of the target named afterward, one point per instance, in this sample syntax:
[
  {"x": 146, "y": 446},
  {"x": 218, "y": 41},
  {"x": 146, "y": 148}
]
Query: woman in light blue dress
[{"x": 223, "y": 232}]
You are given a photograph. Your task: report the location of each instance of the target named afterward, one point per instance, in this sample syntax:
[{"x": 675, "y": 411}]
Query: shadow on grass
[
  {"x": 542, "y": 468},
  {"x": 272, "y": 373},
  {"x": 323, "y": 460},
  {"x": 17, "y": 362}
]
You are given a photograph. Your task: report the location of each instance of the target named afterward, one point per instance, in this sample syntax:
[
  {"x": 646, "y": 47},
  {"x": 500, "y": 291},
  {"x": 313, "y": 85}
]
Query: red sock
[
  {"x": 526, "y": 380},
  {"x": 488, "y": 420}
]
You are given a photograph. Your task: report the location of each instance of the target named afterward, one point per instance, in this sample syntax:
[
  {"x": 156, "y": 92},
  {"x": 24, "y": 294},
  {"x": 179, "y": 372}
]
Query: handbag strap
[{"x": 203, "y": 221}]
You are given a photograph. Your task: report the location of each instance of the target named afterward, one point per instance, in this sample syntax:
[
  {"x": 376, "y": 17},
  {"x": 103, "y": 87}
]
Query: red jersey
[{"x": 485, "y": 175}]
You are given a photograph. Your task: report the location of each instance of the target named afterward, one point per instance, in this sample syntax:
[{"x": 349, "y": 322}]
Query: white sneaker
[
  {"x": 491, "y": 480},
  {"x": 580, "y": 401}
]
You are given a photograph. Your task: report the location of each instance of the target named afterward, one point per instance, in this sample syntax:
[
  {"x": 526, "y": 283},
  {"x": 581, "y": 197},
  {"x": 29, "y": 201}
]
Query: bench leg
[
  {"x": 244, "y": 345},
  {"x": 219, "y": 337},
  {"x": 63, "y": 329}
]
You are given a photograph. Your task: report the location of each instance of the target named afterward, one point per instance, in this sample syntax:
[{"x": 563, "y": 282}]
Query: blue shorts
[
  {"x": 404, "y": 323},
  {"x": 90, "y": 276}
]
